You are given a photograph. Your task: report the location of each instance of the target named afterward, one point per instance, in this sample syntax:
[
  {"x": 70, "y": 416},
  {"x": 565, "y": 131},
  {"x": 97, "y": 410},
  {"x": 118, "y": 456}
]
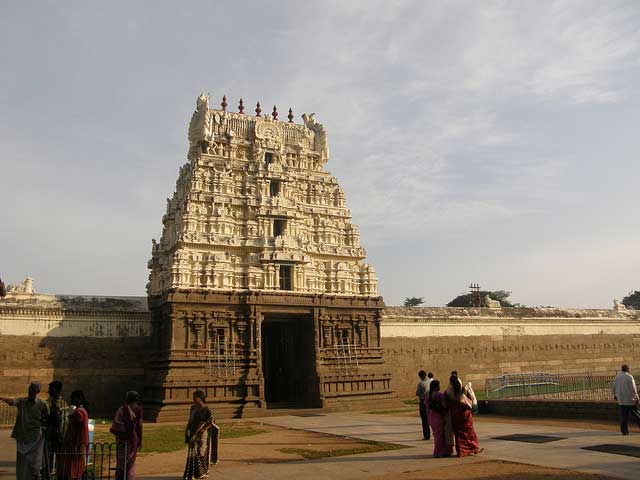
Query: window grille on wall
[{"x": 221, "y": 354}]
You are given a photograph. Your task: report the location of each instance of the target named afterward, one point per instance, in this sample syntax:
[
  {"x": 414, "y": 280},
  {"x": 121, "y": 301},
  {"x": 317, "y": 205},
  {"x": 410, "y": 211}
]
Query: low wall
[{"x": 481, "y": 343}]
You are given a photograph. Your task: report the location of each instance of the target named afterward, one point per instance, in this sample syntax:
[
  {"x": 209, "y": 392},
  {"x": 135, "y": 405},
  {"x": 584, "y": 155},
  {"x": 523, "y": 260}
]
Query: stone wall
[
  {"x": 100, "y": 344},
  {"x": 481, "y": 343},
  {"x": 96, "y": 344}
]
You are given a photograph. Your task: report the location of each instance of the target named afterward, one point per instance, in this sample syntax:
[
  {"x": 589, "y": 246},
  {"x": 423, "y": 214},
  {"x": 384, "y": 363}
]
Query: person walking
[
  {"x": 127, "y": 428},
  {"x": 29, "y": 432},
  {"x": 462, "y": 420},
  {"x": 437, "y": 410},
  {"x": 75, "y": 446},
  {"x": 422, "y": 391},
  {"x": 625, "y": 392},
  {"x": 202, "y": 437}
]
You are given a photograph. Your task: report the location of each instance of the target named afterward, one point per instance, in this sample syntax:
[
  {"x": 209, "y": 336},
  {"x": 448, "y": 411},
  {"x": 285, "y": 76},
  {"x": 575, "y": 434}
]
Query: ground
[{"x": 382, "y": 446}]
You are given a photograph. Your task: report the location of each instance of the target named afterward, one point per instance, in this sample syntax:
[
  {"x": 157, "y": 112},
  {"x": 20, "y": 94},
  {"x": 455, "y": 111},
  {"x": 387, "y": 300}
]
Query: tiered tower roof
[{"x": 254, "y": 209}]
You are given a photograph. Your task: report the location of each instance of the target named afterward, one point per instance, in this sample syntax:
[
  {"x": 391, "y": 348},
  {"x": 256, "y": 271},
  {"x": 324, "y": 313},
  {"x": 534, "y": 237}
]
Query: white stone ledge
[
  {"x": 471, "y": 328},
  {"x": 63, "y": 327}
]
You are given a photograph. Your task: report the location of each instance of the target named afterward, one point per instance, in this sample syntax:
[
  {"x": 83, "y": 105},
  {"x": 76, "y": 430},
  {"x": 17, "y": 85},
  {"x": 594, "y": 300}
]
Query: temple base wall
[{"x": 253, "y": 351}]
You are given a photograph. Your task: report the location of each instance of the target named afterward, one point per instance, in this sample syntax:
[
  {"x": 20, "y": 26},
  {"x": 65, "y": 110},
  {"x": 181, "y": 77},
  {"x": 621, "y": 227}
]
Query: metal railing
[
  {"x": 8, "y": 415},
  {"x": 551, "y": 386},
  {"x": 95, "y": 461}
]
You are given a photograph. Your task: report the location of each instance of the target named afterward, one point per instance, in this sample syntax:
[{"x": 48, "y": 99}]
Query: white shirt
[
  {"x": 422, "y": 390},
  {"x": 624, "y": 389}
]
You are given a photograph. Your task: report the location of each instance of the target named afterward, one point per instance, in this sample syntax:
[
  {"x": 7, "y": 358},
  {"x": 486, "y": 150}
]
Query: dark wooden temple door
[{"x": 288, "y": 363}]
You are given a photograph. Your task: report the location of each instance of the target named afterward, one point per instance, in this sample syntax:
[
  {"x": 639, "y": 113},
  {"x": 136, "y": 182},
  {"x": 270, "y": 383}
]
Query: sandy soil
[
  {"x": 494, "y": 470},
  {"x": 261, "y": 448}
]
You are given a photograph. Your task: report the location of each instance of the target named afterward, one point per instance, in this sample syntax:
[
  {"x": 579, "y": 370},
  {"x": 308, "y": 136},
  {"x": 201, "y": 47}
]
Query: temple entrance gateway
[
  {"x": 288, "y": 363},
  {"x": 259, "y": 288}
]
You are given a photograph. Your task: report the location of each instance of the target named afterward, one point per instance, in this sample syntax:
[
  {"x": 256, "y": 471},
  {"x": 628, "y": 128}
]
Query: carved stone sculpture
[
  {"x": 619, "y": 307},
  {"x": 200, "y": 127},
  {"x": 25, "y": 287},
  {"x": 320, "y": 142},
  {"x": 491, "y": 303}
]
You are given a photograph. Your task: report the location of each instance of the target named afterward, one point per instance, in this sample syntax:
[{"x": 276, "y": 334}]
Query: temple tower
[{"x": 259, "y": 289}]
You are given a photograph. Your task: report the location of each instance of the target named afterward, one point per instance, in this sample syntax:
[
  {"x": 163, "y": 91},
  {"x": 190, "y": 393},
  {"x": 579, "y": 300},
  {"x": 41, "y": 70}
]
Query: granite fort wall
[
  {"x": 482, "y": 342},
  {"x": 100, "y": 344}
]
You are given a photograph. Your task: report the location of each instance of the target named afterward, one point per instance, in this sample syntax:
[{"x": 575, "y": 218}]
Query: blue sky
[{"x": 489, "y": 142}]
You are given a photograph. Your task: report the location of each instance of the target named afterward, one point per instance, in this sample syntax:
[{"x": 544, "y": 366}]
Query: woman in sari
[
  {"x": 127, "y": 427},
  {"x": 73, "y": 461},
  {"x": 462, "y": 420},
  {"x": 202, "y": 437},
  {"x": 436, "y": 403},
  {"x": 28, "y": 432}
]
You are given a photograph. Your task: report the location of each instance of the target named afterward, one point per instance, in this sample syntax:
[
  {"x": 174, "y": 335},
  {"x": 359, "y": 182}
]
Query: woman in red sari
[
  {"x": 127, "y": 427},
  {"x": 437, "y": 411},
  {"x": 72, "y": 459},
  {"x": 462, "y": 420}
]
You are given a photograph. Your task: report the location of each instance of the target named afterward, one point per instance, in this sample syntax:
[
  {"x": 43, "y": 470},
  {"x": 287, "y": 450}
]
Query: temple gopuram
[{"x": 259, "y": 291}]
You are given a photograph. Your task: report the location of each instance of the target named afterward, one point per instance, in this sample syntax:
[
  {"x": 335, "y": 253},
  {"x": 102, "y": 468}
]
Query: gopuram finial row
[{"x": 258, "y": 110}]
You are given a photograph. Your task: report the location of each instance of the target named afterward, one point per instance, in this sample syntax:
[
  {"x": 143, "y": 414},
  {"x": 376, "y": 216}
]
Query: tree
[
  {"x": 413, "y": 301},
  {"x": 466, "y": 300},
  {"x": 632, "y": 300}
]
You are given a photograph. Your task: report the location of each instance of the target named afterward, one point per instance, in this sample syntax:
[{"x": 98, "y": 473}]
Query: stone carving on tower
[{"x": 258, "y": 247}]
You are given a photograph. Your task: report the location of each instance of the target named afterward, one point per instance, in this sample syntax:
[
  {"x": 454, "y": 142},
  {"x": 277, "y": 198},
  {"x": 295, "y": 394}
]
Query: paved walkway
[{"x": 407, "y": 431}]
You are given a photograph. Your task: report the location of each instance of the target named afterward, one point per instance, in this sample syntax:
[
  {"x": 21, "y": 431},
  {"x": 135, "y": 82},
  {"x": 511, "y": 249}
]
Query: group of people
[
  {"x": 447, "y": 415},
  {"x": 44, "y": 429},
  {"x": 52, "y": 436}
]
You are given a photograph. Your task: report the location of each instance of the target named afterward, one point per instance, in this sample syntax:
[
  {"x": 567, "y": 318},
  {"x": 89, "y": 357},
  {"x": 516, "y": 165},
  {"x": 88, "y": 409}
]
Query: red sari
[
  {"x": 462, "y": 421},
  {"x": 72, "y": 459}
]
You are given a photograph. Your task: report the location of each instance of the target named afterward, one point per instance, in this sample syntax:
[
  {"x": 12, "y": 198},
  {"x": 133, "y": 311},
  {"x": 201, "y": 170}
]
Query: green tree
[
  {"x": 413, "y": 301},
  {"x": 466, "y": 300},
  {"x": 632, "y": 300}
]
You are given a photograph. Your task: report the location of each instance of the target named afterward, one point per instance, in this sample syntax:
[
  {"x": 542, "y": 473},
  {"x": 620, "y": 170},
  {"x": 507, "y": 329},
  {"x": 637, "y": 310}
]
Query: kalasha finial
[
  {"x": 258, "y": 109},
  {"x": 274, "y": 114},
  {"x": 224, "y": 103},
  {"x": 241, "y": 107},
  {"x": 290, "y": 116}
]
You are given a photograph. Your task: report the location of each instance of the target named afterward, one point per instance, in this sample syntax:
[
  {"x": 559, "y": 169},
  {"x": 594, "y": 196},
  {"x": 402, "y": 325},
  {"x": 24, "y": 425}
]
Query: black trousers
[
  {"x": 426, "y": 432},
  {"x": 627, "y": 411}
]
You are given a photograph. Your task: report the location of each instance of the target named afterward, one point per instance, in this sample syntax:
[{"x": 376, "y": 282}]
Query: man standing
[
  {"x": 30, "y": 422},
  {"x": 56, "y": 425},
  {"x": 625, "y": 392},
  {"x": 422, "y": 391}
]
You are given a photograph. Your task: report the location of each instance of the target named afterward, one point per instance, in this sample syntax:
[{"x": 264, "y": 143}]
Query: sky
[{"x": 488, "y": 142}]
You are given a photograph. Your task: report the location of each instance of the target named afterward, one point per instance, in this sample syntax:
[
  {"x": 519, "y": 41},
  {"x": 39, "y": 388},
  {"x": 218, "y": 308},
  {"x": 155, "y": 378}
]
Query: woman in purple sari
[
  {"x": 127, "y": 427},
  {"x": 437, "y": 412}
]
